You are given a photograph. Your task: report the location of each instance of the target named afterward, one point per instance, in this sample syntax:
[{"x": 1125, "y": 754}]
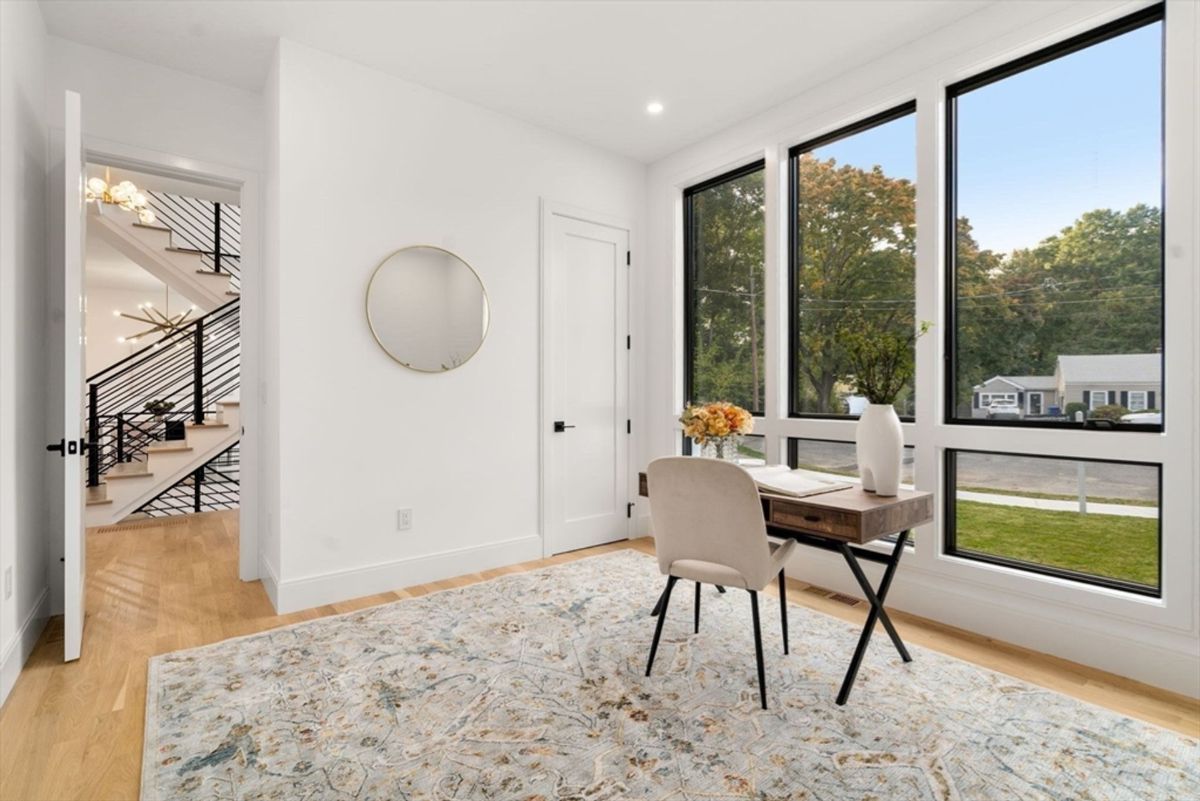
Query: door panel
[
  {"x": 74, "y": 232},
  {"x": 587, "y": 475}
]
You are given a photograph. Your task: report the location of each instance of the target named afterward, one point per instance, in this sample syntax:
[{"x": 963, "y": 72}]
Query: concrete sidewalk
[{"x": 1060, "y": 506}]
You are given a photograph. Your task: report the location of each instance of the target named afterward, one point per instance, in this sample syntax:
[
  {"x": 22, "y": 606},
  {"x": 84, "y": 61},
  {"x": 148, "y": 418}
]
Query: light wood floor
[{"x": 74, "y": 731}]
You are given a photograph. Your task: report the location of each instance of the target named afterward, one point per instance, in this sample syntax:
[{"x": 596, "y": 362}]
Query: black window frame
[
  {"x": 1139, "y": 19},
  {"x": 794, "y": 153},
  {"x": 689, "y": 269},
  {"x": 949, "y": 541}
]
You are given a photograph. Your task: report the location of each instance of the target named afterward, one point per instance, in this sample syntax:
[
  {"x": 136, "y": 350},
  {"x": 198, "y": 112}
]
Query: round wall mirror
[{"x": 427, "y": 308}]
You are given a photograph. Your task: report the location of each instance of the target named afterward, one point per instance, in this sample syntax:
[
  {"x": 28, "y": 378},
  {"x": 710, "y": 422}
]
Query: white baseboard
[
  {"x": 1171, "y": 662},
  {"x": 21, "y": 647},
  {"x": 292, "y": 595},
  {"x": 270, "y": 580}
]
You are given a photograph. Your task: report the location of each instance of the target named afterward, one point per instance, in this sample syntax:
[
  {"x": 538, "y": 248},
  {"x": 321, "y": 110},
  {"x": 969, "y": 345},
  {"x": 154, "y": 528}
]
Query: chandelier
[
  {"x": 158, "y": 321},
  {"x": 123, "y": 195}
]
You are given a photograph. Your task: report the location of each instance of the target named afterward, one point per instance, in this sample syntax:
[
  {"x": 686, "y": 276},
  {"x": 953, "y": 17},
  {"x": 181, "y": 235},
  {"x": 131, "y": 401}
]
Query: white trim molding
[
  {"x": 306, "y": 592},
  {"x": 21, "y": 646}
]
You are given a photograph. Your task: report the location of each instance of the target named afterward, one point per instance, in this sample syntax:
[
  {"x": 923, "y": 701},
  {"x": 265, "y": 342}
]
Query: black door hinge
[
  {"x": 628, "y": 426},
  {"x": 628, "y": 342},
  {"x": 629, "y": 509},
  {"x": 628, "y": 258}
]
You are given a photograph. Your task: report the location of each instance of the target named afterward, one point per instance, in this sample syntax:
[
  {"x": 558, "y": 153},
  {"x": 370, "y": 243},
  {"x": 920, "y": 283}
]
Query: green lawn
[{"x": 1114, "y": 546}]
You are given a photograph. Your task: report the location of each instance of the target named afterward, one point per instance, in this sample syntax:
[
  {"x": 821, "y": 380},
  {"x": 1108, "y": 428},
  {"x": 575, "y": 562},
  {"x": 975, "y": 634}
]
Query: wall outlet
[
  {"x": 404, "y": 519},
  {"x": 8, "y": 582}
]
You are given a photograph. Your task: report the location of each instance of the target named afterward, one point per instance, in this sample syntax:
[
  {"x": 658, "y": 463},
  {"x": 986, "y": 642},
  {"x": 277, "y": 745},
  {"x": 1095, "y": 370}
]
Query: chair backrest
[{"x": 708, "y": 509}]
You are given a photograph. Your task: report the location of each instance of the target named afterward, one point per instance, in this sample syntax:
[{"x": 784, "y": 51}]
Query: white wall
[
  {"x": 141, "y": 104},
  {"x": 359, "y": 436},
  {"x": 23, "y": 500},
  {"x": 1157, "y": 641}
]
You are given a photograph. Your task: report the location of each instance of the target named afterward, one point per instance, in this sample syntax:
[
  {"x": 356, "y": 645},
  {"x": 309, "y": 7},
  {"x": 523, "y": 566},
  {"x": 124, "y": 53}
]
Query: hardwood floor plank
[{"x": 74, "y": 731}]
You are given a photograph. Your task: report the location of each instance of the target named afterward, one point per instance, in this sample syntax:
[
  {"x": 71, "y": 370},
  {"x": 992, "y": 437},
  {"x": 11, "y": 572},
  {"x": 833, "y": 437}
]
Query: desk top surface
[{"x": 851, "y": 514}]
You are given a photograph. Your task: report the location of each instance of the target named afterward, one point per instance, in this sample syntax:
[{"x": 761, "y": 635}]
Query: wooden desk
[{"x": 843, "y": 521}]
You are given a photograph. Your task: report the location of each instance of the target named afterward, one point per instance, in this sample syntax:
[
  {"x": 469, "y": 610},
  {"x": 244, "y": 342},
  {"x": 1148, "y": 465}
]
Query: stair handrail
[{"x": 198, "y": 361}]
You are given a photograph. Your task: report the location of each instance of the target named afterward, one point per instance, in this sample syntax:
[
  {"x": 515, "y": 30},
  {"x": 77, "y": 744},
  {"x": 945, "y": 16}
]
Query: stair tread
[
  {"x": 170, "y": 449},
  {"x": 229, "y": 403},
  {"x": 100, "y": 502},
  {"x": 152, "y": 227},
  {"x": 183, "y": 250},
  {"x": 212, "y": 272},
  {"x": 110, "y": 475},
  {"x": 233, "y": 294},
  {"x": 208, "y": 425}
]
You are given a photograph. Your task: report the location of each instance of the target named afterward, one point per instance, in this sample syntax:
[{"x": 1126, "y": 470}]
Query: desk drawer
[{"x": 810, "y": 518}]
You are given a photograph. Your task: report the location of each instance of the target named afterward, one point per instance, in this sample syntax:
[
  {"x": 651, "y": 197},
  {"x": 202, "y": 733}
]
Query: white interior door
[
  {"x": 586, "y": 361},
  {"x": 74, "y": 232}
]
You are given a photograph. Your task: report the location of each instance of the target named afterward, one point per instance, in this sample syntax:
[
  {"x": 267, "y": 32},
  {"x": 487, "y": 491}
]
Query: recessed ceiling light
[{"x": 654, "y": 107}]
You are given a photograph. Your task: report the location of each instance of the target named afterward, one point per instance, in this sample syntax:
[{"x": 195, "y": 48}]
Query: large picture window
[
  {"x": 725, "y": 315},
  {"x": 852, "y": 253},
  {"x": 1081, "y": 519},
  {"x": 1055, "y": 186}
]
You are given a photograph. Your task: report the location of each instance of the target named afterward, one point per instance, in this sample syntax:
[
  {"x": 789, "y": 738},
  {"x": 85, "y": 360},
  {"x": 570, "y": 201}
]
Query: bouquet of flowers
[{"x": 717, "y": 428}]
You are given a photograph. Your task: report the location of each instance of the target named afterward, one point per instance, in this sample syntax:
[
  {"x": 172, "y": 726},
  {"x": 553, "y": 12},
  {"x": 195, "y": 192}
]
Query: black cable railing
[
  {"x": 214, "y": 230},
  {"x": 212, "y": 487},
  {"x": 190, "y": 368}
]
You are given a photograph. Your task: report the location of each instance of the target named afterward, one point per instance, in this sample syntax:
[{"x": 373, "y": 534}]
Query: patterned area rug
[{"x": 530, "y": 687}]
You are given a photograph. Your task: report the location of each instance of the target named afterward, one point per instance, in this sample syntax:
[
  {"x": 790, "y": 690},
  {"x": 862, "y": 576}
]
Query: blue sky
[{"x": 1038, "y": 149}]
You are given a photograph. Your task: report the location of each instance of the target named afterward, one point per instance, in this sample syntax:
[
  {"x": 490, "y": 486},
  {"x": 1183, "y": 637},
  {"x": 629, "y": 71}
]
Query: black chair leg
[
  {"x": 758, "y": 651},
  {"x": 662, "y": 615},
  {"x": 783, "y": 610},
  {"x": 697, "y": 607},
  {"x": 720, "y": 589}
]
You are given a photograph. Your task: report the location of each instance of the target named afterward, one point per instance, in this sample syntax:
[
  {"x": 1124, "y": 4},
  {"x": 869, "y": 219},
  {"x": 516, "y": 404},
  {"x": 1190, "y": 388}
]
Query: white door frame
[
  {"x": 550, "y": 209},
  {"x": 247, "y": 182}
]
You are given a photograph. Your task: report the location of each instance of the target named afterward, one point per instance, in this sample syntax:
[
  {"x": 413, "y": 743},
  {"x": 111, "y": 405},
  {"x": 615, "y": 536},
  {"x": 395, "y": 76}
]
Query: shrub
[
  {"x": 1075, "y": 407},
  {"x": 1112, "y": 411}
]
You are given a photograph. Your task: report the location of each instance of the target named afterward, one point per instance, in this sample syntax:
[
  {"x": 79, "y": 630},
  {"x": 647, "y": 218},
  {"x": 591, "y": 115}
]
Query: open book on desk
[{"x": 782, "y": 480}]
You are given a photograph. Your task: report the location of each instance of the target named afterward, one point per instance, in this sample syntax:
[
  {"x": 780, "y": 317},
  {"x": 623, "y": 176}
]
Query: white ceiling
[{"x": 585, "y": 69}]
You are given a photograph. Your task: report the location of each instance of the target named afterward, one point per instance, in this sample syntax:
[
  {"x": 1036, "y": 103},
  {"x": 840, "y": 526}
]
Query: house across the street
[{"x": 1130, "y": 380}]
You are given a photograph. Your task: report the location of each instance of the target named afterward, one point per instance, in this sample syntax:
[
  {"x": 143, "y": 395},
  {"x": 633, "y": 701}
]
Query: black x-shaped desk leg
[{"x": 875, "y": 599}]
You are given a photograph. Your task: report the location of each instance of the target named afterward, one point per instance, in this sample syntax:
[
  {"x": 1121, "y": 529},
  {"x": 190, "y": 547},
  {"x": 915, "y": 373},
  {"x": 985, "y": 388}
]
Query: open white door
[
  {"x": 585, "y": 333},
  {"x": 72, "y": 445}
]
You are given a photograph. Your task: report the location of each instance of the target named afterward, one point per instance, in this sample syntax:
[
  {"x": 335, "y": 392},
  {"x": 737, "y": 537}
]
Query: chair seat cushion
[{"x": 714, "y": 573}]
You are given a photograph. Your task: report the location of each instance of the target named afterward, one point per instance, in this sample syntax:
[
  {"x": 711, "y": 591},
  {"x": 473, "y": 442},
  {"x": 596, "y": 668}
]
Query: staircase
[
  {"x": 193, "y": 247},
  {"x": 136, "y": 456}
]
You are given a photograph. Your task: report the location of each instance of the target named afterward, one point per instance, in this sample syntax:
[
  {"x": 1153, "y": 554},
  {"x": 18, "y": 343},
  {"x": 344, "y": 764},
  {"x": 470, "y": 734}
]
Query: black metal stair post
[
  {"x": 93, "y": 464},
  {"x": 216, "y": 237},
  {"x": 198, "y": 373}
]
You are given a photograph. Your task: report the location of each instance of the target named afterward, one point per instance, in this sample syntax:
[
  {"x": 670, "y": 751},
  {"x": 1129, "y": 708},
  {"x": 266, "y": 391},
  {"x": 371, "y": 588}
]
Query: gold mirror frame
[{"x": 487, "y": 301}]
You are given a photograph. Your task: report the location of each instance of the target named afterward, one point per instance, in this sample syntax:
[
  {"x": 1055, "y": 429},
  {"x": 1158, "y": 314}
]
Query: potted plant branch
[
  {"x": 159, "y": 408},
  {"x": 881, "y": 365}
]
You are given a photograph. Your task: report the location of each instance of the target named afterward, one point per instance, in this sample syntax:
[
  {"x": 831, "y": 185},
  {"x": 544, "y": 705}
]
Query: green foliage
[
  {"x": 880, "y": 363},
  {"x": 728, "y": 312},
  {"x": 157, "y": 407},
  {"x": 1110, "y": 412},
  {"x": 1095, "y": 287},
  {"x": 855, "y": 273},
  {"x": 1075, "y": 406}
]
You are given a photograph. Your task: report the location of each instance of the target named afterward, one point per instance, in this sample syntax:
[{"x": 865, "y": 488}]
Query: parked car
[
  {"x": 1144, "y": 418},
  {"x": 1004, "y": 411}
]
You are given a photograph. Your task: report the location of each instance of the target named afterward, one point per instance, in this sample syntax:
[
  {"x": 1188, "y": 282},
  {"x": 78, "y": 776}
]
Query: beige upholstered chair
[{"x": 709, "y": 528}]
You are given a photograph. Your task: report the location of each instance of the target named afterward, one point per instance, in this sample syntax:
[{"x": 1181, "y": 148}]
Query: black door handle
[
  {"x": 560, "y": 426},
  {"x": 61, "y": 447}
]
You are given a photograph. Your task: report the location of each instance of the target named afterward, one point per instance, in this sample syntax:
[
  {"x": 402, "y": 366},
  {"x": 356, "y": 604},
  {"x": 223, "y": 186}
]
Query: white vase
[{"x": 879, "y": 443}]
